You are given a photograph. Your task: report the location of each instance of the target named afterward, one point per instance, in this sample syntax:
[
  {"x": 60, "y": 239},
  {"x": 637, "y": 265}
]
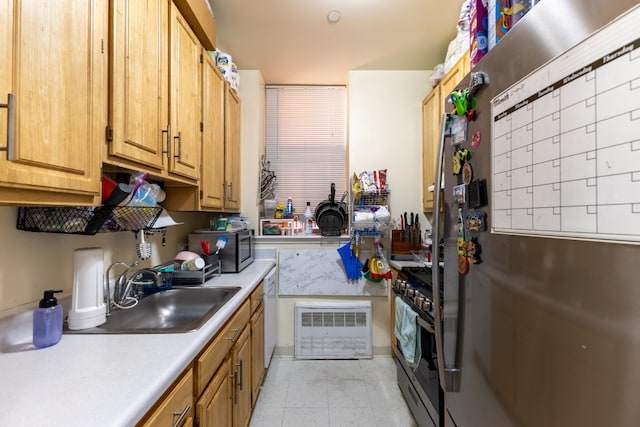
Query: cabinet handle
[
  {"x": 11, "y": 126},
  {"x": 181, "y": 416},
  {"x": 235, "y": 335},
  {"x": 234, "y": 396},
  {"x": 168, "y": 132},
  {"x": 179, "y": 138},
  {"x": 230, "y": 191},
  {"x": 240, "y": 366}
]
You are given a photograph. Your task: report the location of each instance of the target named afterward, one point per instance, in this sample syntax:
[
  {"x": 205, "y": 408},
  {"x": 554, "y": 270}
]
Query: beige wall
[
  {"x": 33, "y": 262},
  {"x": 252, "y": 134},
  {"x": 384, "y": 132}
]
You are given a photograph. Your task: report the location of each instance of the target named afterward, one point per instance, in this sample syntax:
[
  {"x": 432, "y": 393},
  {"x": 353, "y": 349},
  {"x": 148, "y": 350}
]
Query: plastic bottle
[
  {"x": 47, "y": 321},
  {"x": 308, "y": 220},
  {"x": 288, "y": 212}
]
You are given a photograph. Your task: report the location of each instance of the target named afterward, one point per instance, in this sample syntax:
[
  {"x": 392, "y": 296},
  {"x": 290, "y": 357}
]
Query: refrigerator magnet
[
  {"x": 458, "y": 130},
  {"x": 459, "y": 194},
  {"x": 475, "y": 222},
  {"x": 477, "y": 193},
  {"x": 456, "y": 163},
  {"x": 463, "y": 265},
  {"x": 467, "y": 173},
  {"x": 475, "y": 139},
  {"x": 473, "y": 251}
]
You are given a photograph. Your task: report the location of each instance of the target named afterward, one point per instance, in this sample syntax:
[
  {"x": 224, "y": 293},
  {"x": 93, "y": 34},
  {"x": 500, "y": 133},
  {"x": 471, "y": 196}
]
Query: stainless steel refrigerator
[{"x": 544, "y": 330}]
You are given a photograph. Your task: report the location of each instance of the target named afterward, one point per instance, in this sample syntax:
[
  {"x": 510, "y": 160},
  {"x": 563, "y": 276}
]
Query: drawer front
[
  {"x": 211, "y": 358},
  {"x": 177, "y": 402},
  {"x": 256, "y": 297}
]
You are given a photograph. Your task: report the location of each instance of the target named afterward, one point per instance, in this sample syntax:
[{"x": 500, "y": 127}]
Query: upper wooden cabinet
[
  {"x": 431, "y": 119},
  {"x": 154, "y": 104},
  {"x": 232, "y": 149},
  {"x": 212, "y": 180},
  {"x": 219, "y": 188},
  {"x": 139, "y": 83},
  {"x": 434, "y": 105},
  {"x": 184, "y": 100},
  {"x": 53, "y": 65}
]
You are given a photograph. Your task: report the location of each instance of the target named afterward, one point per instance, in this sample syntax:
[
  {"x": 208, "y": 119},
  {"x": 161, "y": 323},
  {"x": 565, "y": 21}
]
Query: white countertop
[
  {"x": 104, "y": 379},
  {"x": 399, "y": 265}
]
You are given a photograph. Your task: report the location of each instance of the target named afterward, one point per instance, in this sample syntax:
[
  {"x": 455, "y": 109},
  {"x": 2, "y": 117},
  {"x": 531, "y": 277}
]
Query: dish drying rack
[{"x": 212, "y": 268}]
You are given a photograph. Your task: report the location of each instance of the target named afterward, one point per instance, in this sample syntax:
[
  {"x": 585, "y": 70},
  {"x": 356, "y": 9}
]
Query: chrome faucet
[
  {"x": 117, "y": 286},
  {"x": 129, "y": 284}
]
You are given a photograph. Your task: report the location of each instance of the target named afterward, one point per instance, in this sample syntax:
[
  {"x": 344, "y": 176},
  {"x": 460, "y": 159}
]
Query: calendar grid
[{"x": 566, "y": 142}]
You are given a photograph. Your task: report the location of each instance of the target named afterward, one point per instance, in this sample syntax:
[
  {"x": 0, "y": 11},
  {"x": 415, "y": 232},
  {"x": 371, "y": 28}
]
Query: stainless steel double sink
[{"x": 171, "y": 311}]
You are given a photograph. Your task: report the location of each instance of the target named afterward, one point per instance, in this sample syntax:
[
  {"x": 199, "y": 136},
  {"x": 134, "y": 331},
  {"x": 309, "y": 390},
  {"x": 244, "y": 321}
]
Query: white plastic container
[{"x": 87, "y": 302}]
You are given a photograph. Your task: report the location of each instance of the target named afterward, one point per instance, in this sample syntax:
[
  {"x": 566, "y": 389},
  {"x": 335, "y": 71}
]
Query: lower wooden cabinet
[
  {"x": 242, "y": 376},
  {"x": 175, "y": 408},
  {"x": 257, "y": 341},
  {"x": 257, "y": 352},
  {"x": 224, "y": 379},
  {"x": 213, "y": 407}
]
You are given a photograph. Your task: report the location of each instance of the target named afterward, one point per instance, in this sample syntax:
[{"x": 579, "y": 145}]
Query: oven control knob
[
  {"x": 410, "y": 292},
  {"x": 427, "y": 305},
  {"x": 419, "y": 300}
]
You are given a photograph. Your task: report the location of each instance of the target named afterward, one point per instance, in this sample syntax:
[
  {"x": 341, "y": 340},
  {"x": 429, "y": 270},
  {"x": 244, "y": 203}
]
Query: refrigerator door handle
[{"x": 449, "y": 374}]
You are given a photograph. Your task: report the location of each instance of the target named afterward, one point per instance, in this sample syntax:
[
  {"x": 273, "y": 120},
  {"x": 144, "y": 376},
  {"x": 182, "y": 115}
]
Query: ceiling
[{"x": 293, "y": 42}]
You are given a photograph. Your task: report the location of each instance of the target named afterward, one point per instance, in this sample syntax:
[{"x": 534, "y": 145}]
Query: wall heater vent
[{"x": 333, "y": 330}]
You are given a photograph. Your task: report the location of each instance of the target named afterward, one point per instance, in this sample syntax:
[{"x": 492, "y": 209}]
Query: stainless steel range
[{"x": 420, "y": 385}]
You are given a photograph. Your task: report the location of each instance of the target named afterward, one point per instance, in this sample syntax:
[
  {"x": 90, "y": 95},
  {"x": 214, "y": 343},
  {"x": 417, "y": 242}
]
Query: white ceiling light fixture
[{"x": 334, "y": 16}]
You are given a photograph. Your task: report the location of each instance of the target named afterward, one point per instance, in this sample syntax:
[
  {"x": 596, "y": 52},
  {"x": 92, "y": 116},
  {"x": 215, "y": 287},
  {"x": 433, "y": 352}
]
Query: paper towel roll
[
  {"x": 224, "y": 61},
  {"x": 234, "y": 78}
]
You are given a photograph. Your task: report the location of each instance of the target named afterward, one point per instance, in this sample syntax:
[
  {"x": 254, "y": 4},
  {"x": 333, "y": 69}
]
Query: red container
[{"x": 108, "y": 185}]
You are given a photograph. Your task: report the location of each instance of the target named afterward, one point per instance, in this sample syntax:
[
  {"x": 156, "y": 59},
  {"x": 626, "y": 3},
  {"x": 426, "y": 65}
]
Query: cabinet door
[
  {"x": 212, "y": 184},
  {"x": 138, "y": 101},
  {"x": 242, "y": 377},
  {"x": 185, "y": 103},
  {"x": 257, "y": 352},
  {"x": 431, "y": 121},
  {"x": 451, "y": 80},
  {"x": 214, "y": 407},
  {"x": 232, "y": 149},
  {"x": 53, "y": 66},
  {"x": 178, "y": 402}
]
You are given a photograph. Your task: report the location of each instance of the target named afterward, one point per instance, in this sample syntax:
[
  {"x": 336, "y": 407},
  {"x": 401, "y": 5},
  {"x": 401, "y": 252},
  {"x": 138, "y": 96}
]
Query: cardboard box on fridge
[
  {"x": 478, "y": 30},
  {"x": 499, "y": 20}
]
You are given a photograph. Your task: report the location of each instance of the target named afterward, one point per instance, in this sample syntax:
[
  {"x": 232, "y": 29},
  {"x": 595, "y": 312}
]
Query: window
[{"x": 307, "y": 142}]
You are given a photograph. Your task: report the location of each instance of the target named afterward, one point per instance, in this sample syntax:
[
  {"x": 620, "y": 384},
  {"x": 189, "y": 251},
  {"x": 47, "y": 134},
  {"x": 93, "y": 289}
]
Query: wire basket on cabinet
[{"x": 87, "y": 220}]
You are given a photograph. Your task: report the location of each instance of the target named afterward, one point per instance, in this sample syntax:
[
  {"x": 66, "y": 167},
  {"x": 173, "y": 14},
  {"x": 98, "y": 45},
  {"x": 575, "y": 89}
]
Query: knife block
[{"x": 399, "y": 246}]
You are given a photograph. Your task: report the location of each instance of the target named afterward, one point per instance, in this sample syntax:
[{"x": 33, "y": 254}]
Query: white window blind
[{"x": 307, "y": 142}]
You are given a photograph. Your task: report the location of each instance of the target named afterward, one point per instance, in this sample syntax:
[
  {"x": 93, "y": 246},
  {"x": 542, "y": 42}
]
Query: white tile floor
[{"x": 331, "y": 393}]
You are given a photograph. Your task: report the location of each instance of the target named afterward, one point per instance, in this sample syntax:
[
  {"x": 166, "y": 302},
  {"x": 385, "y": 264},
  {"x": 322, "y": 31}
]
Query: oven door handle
[
  {"x": 448, "y": 369},
  {"x": 427, "y": 326}
]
